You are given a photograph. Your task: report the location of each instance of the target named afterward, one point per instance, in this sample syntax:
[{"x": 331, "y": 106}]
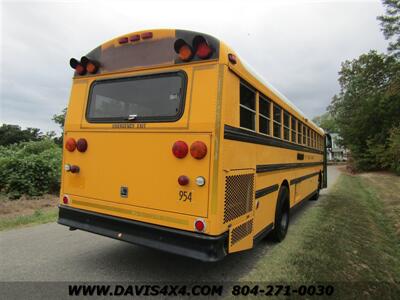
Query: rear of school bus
[{"x": 141, "y": 141}]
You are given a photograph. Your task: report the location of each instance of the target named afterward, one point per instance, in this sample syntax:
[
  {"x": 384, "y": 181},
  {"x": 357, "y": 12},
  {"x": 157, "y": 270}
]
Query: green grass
[
  {"x": 38, "y": 217},
  {"x": 346, "y": 237}
]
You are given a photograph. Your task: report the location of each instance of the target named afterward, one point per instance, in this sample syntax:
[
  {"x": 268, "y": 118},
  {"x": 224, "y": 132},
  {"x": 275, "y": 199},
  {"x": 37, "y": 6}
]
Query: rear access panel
[
  {"x": 239, "y": 194},
  {"x": 239, "y": 208}
]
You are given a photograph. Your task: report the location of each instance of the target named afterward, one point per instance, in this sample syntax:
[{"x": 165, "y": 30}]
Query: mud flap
[{"x": 241, "y": 236}]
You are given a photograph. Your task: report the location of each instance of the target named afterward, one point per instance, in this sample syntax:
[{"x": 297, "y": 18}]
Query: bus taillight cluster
[
  {"x": 81, "y": 145},
  {"x": 199, "y": 47},
  {"x": 84, "y": 65},
  {"x": 198, "y": 149}
]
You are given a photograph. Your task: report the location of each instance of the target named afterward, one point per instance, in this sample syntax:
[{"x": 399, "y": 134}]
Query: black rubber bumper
[{"x": 194, "y": 245}]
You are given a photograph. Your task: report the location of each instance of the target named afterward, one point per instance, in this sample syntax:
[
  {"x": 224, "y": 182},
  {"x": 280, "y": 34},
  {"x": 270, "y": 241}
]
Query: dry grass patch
[{"x": 25, "y": 211}]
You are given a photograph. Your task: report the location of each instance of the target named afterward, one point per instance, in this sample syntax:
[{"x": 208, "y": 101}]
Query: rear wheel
[{"x": 282, "y": 216}]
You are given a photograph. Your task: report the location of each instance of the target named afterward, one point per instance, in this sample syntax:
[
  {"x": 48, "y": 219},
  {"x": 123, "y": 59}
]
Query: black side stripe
[
  {"x": 275, "y": 167},
  {"x": 302, "y": 178},
  {"x": 266, "y": 191},
  {"x": 242, "y": 135}
]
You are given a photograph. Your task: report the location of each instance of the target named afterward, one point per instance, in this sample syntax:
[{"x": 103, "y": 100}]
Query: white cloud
[{"x": 296, "y": 45}]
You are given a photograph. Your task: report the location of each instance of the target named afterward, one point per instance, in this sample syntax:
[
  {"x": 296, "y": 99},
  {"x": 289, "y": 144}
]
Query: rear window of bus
[{"x": 150, "y": 98}]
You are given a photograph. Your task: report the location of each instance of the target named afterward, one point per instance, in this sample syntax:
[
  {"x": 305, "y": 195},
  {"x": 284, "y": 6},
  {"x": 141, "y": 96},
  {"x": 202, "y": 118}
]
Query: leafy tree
[
  {"x": 368, "y": 106},
  {"x": 326, "y": 122},
  {"x": 60, "y": 118},
  {"x": 390, "y": 23},
  {"x": 393, "y": 156},
  {"x": 12, "y": 134}
]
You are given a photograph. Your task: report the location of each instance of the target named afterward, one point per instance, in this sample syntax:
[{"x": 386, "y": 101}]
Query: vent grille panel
[
  {"x": 241, "y": 232},
  {"x": 239, "y": 192}
]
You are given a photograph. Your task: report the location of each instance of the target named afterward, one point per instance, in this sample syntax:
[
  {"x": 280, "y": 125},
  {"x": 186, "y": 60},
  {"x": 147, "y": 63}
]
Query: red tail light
[
  {"x": 70, "y": 144},
  {"x": 198, "y": 150},
  {"x": 184, "y": 51},
  {"x": 203, "y": 50},
  {"x": 65, "y": 199},
  {"x": 183, "y": 180},
  {"x": 180, "y": 149},
  {"x": 81, "y": 145}
]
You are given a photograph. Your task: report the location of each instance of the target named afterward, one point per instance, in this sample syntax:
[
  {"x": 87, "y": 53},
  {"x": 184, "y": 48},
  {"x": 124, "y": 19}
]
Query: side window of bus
[
  {"x": 304, "y": 135},
  {"x": 299, "y": 134},
  {"x": 312, "y": 138},
  {"x": 247, "y": 107},
  {"x": 264, "y": 114},
  {"x": 293, "y": 129},
  {"x": 277, "y": 121},
  {"x": 315, "y": 140},
  {"x": 286, "y": 124},
  {"x": 308, "y": 137}
]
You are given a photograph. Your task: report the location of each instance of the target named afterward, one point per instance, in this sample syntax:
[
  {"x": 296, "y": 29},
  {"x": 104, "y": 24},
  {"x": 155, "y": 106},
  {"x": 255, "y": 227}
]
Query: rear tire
[{"x": 282, "y": 215}]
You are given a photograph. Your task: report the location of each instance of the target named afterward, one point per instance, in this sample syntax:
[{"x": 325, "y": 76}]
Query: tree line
[{"x": 366, "y": 111}]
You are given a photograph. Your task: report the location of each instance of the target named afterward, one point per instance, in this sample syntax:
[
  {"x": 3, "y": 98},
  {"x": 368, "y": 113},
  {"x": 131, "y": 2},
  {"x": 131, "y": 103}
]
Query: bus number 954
[{"x": 185, "y": 196}]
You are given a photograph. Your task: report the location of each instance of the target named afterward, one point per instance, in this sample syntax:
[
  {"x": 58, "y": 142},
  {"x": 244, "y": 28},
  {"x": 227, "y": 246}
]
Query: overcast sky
[{"x": 297, "y": 45}]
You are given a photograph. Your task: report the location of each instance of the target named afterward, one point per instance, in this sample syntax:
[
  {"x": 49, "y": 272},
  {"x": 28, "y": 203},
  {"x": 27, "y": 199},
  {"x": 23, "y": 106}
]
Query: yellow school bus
[{"x": 173, "y": 143}]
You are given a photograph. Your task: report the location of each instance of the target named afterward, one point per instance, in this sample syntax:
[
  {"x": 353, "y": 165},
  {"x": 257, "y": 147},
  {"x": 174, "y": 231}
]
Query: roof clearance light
[
  {"x": 79, "y": 67},
  {"x": 203, "y": 50},
  {"x": 134, "y": 38},
  {"x": 232, "y": 58},
  {"x": 147, "y": 35},
  {"x": 184, "y": 51},
  {"x": 123, "y": 40},
  {"x": 180, "y": 149}
]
